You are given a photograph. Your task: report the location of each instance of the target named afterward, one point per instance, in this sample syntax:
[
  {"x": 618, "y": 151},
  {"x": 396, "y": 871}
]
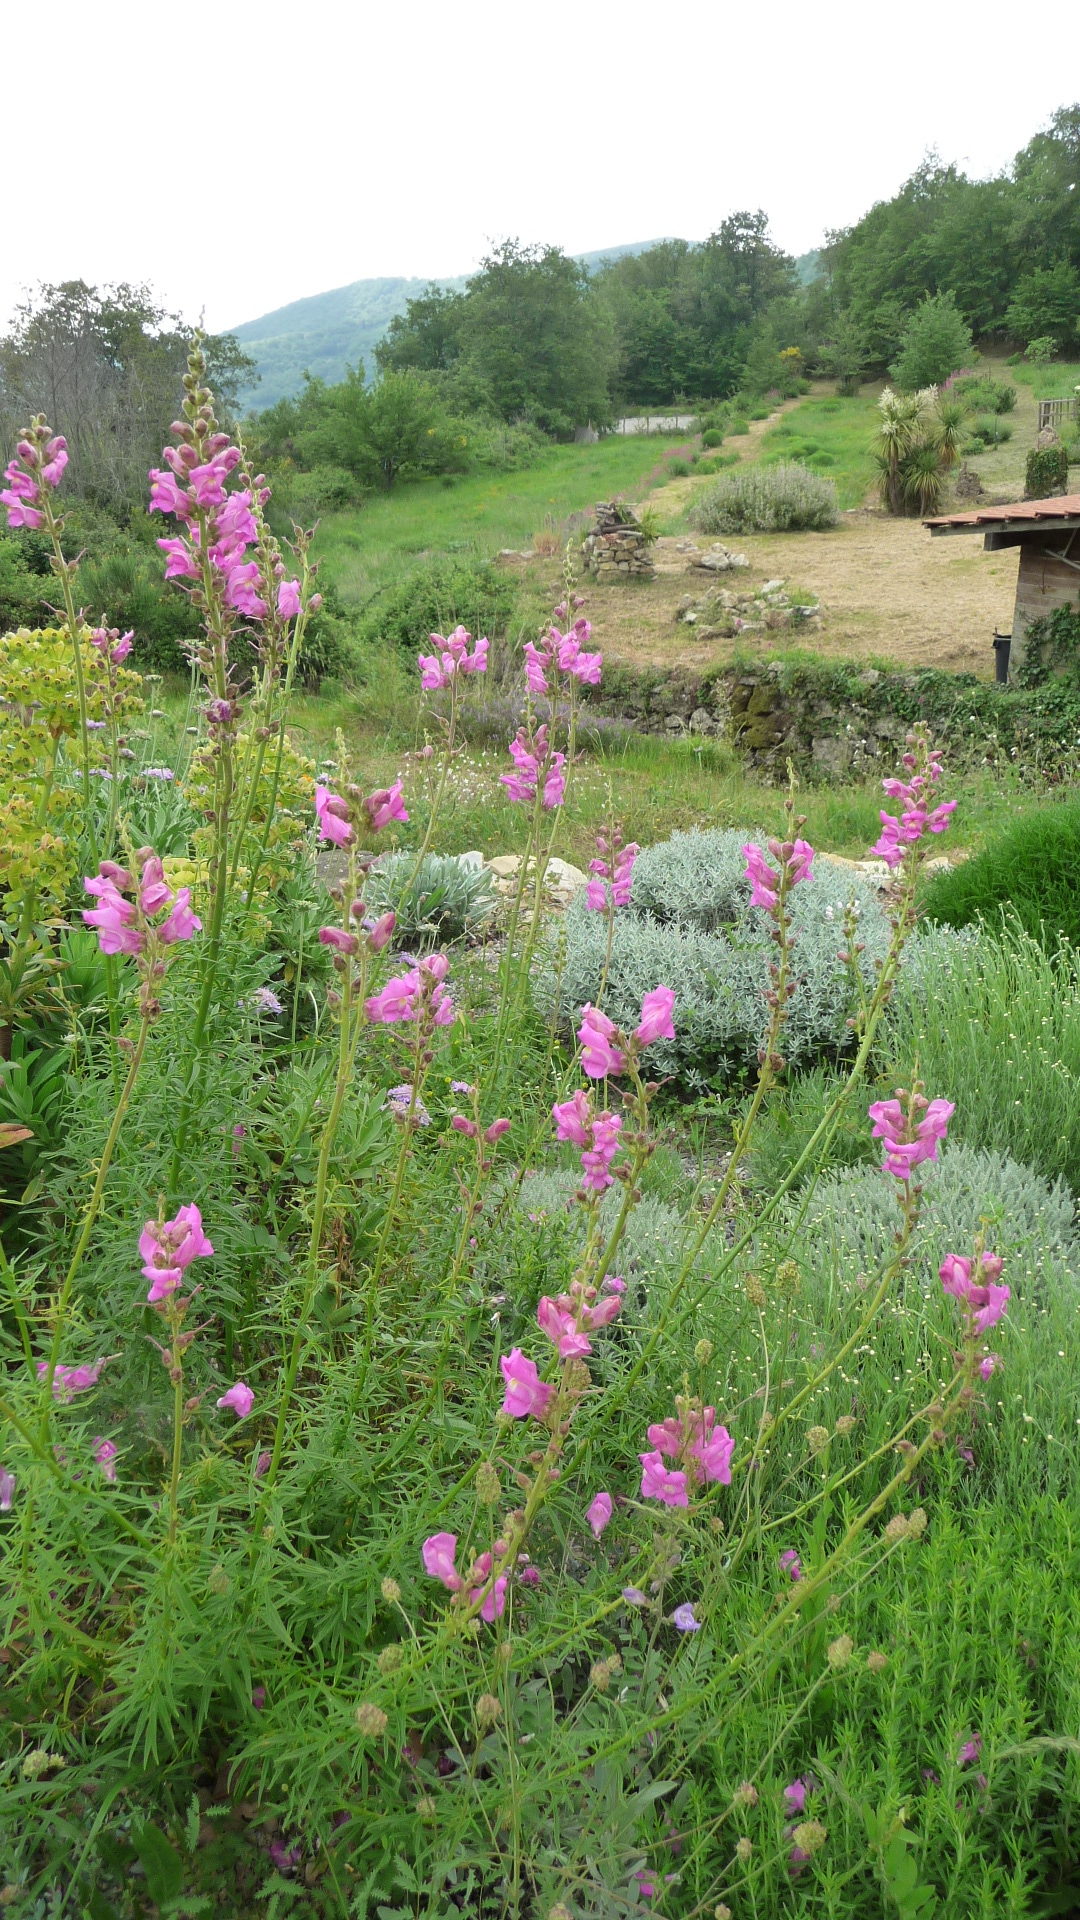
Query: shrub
[
  {"x": 1046, "y": 473},
  {"x": 442, "y": 900},
  {"x": 935, "y": 339},
  {"x": 997, "y": 1022},
  {"x": 739, "y": 425},
  {"x": 712, "y": 437},
  {"x": 760, "y": 413},
  {"x": 690, "y": 925},
  {"x": 852, "y": 1215},
  {"x": 1051, "y": 651},
  {"x": 991, "y": 430},
  {"x": 438, "y": 595},
  {"x": 678, "y": 469},
  {"x": 984, "y": 394},
  {"x": 780, "y": 499},
  {"x": 1031, "y": 871}
]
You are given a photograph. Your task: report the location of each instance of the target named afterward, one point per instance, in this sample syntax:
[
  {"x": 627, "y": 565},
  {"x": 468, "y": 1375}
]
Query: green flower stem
[
  {"x": 64, "y": 573},
  {"x": 177, "y": 1371},
  {"x": 440, "y": 789},
  {"x": 93, "y": 1206}
]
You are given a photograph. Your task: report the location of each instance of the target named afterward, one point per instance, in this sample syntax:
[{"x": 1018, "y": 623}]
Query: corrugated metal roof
[{"x": 1063, "y": 507}]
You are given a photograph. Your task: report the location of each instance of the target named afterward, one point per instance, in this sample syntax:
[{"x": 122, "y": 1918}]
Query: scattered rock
[
  {"x": 561, "y": 880},
  {"x": 719, "y": 559}
]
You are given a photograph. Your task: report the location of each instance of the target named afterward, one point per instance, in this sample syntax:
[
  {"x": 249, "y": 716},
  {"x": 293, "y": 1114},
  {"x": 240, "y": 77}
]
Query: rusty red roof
[{"x": 1063, "y": 506}]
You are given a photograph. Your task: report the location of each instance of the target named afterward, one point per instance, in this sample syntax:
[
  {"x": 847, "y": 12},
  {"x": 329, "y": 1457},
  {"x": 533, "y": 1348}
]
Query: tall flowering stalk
[
  {"x": 168, "y": 1248},
  {"x": 445, "y": 671},
  {"x": 33, "y": 477}
]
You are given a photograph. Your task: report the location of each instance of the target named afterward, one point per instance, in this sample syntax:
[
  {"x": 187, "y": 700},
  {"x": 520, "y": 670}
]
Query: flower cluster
[
  {"x": 336, "y": 817},
  {"x": 617, "y": 868},
  {"x": 795, "y": 858},
  {"x": 974, "y": 1283},
  {"x": 168, "y": 1247},
  {"x": 909, "y": 1139},
  {"x": 604, "y": 1050},
  {"x": 561, "y": 653},
  {"x": 439, "y": 1554},
  {"x": 535, "y": 767},
  {"x": 569, "y": 1319},
  {"x": 192, "y": 487},
  {"x": 438, "y": 670},
  {"x": 416, "y": 995},
  {"x": 597, "y": 1135},
  {"x": 115, "y": 647},
  {"x": 127, "y": 916},
  {"x": 68, "y": 1381},
  {"x": 40, "y": 460},
  {"x": 916, "y": 818},
  {"x": 692, "y": 1438}
]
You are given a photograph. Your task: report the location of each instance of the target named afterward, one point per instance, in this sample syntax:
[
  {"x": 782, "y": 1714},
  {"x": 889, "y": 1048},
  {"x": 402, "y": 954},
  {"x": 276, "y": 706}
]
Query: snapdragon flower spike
[
  {"x": 127, "y": 925},
  {"x": 192, "y": 487},
  {"x": 598, "y": 1136},
  {"x": 912, "y": 1134},
  {"x": 416, "y": 995},
  {"x": 568, "y": 1319},
  {"x": 40, "y": 460},
  {"x": 794, "y": 859},
  {"x": 917, "y": 817},
  {"x": 383, "y": 806},
  {"x": 692, "y": 1438},
  {"x": 974, "y": 1283},
  {"x": 617, "y": 870},
  {"x": 536, "y": 768},
  {"x": 570, "y": 656},
  {"x": 68, "y": 1381},
  {"x": 599, "y": 1057},
  {"x": 168, "y": 1247},
  {"x": 438, "y": 670}
]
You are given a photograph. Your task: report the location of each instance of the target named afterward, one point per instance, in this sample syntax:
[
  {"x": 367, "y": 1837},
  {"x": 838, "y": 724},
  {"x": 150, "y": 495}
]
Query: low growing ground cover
[{"x": 438, "y": 1474}]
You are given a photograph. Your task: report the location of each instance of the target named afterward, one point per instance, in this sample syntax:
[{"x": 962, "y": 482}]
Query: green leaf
[{"x": 161, "y": 1863}]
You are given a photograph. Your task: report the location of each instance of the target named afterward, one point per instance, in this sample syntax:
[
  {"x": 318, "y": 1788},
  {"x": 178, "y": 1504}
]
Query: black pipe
[{"x": 1002, "y": 646}]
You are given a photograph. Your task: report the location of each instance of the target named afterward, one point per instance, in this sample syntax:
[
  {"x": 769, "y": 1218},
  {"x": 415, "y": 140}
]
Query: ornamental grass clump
[{"x": 402, "y": 1505}]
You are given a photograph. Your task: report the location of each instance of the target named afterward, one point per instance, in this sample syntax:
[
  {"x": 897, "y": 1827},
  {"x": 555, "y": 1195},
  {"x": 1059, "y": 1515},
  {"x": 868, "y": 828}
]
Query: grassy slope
[
  {"x": 365, "y": 550},
  {"x": 831, "y": 436}
]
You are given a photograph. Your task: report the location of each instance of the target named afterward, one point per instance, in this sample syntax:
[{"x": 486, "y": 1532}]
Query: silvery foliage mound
[
  {"x": 690, "y": 926},
  {"x": 852, "y": 1217},
  {"x": 654, "y": 1231},
  {"x": 439, "y": 901}
]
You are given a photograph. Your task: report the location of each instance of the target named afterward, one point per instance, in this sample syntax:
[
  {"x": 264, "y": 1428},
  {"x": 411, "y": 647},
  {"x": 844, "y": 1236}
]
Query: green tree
[
  {"x": 427, "y": 336},
  {"x": 1046, "y": 301},
  {"x": 843, "y": 357},
  {"x": 936, "y": 341},
  {"x": 106, "y": 366},
  {"x": 396, "y": 429},
  {"x": 537, "y": 341}
]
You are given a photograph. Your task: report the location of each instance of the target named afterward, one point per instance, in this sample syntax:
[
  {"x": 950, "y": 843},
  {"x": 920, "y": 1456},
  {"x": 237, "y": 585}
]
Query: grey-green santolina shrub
[
  {"x": 654, "y": 1231},
  {"x": 439, "y": 901},
  {"x": 719, "y": 976},
  {"x": 852, "y": 1216},
  {"x": 780, "y": 499}
]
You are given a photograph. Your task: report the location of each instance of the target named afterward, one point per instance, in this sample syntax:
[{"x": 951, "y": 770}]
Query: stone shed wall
[{"x": 1044, "y": 583}]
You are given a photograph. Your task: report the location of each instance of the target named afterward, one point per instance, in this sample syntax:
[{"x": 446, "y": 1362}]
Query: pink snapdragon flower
[
  {"x": 970, "y": 1751},
  {"x": 598, "y": 1513},
  {"x": 684, "y": 1618},
  {"x": 111, "y": 644},
  {"x": 598, "y": 1057},
  {"x": 168, "y": 1247},
  {"x": 288, "y": 599},
  {"x": 791, "y": 1564},
  {"x": 526, "y": 1394},
  {"x": 337, "y": 938},
  {"x": 438, "y": 670},
  {"x": 125, "y": 925},
  {"x": 984, "y": 1301},
  {"x": 573, "y": 1118},
  {"x": 114, "y": 918},
  {"x": 105, "y": 1455},
  {"x": 597, "y": 1158},
  {"x": 439, "y": 1553},
  {"x": 795, "y": 1794},
  {"x": 239, "y": 1400},
  {"x": 909, "y": 1139},
  {"x": 332, "y": 814},
  {"x": 68, "y": 1381},
  {"x": 384, "y": 805},
  {"x": 570, "y": 657},
  {"x": 702, "y": 1448},
  {"x": 7, "y": 1489},
  {"x": 37, "y": 460},
  {"x": 180, "y": 923},
  {"x": 569, "y": 1319},
  {"x": 656, "y": 1022},
  {"x": 416, "y": 995}
]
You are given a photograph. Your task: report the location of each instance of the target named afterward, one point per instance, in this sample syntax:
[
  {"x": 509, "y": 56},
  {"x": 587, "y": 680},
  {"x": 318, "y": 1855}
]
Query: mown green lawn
[{"x": 832, "y": 436}]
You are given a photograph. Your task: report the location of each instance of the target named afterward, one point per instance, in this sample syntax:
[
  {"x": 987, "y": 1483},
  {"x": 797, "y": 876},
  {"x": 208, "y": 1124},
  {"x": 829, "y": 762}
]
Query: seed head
[
  {"x": 391, "y": 1658},
  {"x": 840, "y": 1651},
  {"x": 721, "y": 1912},
  {"x": 788, "y": 1279},
  {"x": 600, "y": 1675},
  {"x": 845, "y": 1423},
  {"x": 488, "y": 1710},
  {"x": 810, "y": 1836},
  {"x": 703, "y": 1353},
  {"x": 488, "y": 1489},
  {"x": 559, "y": 1912},
  {"x": 754, "y": 1290},
  {"x": 370, "y": 1719},
  {"x": 817, "y": 1438},
  {"x": 898, "y": 1528},
  {"x": 876, "y": 1661},
  {"x": 743, "y": 1848},
  {"x": 917, "y": 1523},
  {"x": 746, "y": 1795}
]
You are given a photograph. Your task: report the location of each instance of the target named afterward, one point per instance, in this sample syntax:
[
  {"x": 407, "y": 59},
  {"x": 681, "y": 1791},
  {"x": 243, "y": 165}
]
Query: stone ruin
[{"x": 618, "y": 547}]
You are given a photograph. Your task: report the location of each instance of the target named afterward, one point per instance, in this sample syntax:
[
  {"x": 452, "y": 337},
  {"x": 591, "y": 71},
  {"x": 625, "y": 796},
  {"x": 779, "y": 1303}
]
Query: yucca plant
[{"x": 918, "y": 442}]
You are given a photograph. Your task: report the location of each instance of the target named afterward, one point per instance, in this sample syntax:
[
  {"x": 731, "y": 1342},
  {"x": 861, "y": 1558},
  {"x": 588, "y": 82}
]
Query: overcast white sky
[{"x": 240, "y": 156}]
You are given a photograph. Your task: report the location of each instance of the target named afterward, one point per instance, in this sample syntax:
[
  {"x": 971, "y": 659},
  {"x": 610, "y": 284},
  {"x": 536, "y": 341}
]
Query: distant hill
[{"x": 327, "y": 332}]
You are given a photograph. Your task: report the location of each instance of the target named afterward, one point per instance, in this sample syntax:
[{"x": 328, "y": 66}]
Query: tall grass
[
  {"x": 996, "y": 1025},
  {"x": 365, "y": 549},
  {"x": 832, "y": 436}
]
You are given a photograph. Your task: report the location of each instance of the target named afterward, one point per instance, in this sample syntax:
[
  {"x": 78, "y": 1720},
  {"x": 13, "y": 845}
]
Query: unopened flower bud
[
  {"x": 840, "y": 1651},
  {"x": 876, "y": 1661},
  {"x": 817, "y": 1437},
  {"x": 370, "y": 1719},
  {"x": 390, "y": 1591},
  {"x": 703, "y": 1353},
  {"x": 391, "y": 1658},
  {"x": 754, "y": 1290},
  {"x": 845, "y": 1423},
  {"x": 810, "y": 1836},
  {"x": 488, "y": 1710},
  {"x": 487, "y": 1484},
  {"x": 744, "y": 1847}
]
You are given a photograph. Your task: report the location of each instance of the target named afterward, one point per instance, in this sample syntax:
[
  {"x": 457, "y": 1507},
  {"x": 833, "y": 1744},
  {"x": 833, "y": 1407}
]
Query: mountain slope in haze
[{"x": 326, "y": 332}]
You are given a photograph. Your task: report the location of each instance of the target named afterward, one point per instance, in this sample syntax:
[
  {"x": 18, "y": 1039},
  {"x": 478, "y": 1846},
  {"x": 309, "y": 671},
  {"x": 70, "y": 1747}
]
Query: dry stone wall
[{"x": 617, "y": 547}]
